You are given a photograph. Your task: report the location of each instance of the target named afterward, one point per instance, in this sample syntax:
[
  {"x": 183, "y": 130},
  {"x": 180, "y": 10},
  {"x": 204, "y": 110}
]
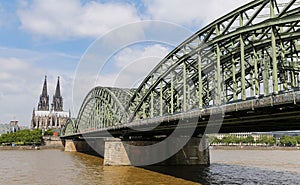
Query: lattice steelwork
[
  {"x": 69, "y": 127},
  {"x": 253, "y": 50},
  {"x": 103, "y": 107}
]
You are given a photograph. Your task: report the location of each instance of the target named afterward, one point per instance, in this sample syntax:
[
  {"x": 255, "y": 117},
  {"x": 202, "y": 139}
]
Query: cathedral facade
[{"x": 46, "y": 117}]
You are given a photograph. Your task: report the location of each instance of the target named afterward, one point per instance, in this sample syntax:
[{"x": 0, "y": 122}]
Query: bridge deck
[{"x": 280, "y": 112}]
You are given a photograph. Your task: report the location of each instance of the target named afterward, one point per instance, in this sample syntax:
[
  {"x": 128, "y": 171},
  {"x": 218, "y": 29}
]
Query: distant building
[
  {"x": 49, "y": 117},
  {"x": 14, "y": 122},
  {"x": 9, "y": 128},
  {"x": 279, "y": 134},
  {"x": 255, "y": 135}
]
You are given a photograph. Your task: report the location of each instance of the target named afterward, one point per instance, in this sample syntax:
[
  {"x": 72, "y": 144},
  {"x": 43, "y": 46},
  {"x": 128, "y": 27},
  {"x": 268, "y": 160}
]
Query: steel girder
[
  {"x": 69, "y": 127},
  {"x": 103, "y": 107},
  {"x": 254, "y": 50},
  {"x": 250, "y": 51}
]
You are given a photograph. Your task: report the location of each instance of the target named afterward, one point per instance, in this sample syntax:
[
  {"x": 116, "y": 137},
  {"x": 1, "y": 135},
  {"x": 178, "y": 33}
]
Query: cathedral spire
[
  {"x": 44, "y": 98},
  {"x": 57, "y": 90},
  {"x": 44, "y": 92},
  {"x": 57, "y": 98}
]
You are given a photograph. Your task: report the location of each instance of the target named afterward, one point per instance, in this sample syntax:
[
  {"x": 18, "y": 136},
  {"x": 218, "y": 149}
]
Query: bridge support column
[
  {"x": 116, "y": 153},
  {"x": 69, "y": 146},
  {"x": 77, "y": 146},
  {"x": 191, "y": 154}
]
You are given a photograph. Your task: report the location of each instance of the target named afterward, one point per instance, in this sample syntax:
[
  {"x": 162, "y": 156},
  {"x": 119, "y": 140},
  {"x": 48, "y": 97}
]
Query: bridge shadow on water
[
  {"x": 217, "y": 173},
  {"x": 227, "y": 174},
  {"x": 92, "y": 153},
  {"x": 196, "y": 173}
]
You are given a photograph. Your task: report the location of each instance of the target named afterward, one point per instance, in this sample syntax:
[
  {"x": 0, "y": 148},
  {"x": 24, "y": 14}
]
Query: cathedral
[{"x": 46, "y": 117}]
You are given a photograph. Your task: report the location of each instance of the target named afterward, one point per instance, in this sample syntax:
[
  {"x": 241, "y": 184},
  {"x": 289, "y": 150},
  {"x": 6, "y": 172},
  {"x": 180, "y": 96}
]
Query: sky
[{"x": 54, "y": 37}]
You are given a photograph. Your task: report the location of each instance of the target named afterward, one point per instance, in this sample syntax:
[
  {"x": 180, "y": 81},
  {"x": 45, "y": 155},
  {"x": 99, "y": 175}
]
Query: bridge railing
[
  {"x": 265, "y": 101},
  {"x": 252, "y": 104}
]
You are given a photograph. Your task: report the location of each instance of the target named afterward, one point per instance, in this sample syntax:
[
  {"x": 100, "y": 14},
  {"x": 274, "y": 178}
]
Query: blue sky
[{"x": 49, "y": 37}]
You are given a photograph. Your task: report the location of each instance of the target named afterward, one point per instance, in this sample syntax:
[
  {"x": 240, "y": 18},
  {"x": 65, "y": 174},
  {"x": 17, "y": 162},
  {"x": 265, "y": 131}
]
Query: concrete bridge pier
[
  {"x": 117, "y": 153},
  {"x": 76, "y": 145},
  {"x": 96, "y": 145},
  {"x": 92, "y": 146}
]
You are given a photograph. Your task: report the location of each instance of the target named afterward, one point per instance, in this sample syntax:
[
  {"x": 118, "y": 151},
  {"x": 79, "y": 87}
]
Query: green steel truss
[
  {"x": 103, "y": 107},
  {"x": 69, "y": 127},
  {"x": 250, "y": 51},
  {"x": 254, "y": 50}
]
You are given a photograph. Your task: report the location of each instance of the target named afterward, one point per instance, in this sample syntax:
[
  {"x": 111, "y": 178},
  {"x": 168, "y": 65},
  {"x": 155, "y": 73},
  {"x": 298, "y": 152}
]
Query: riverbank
[
  {"x": 43, "y": 147},
  {"x": 17, "y": 148},
  {"x": 50, "y": 142},
  {"x": 253, "y": 148}
]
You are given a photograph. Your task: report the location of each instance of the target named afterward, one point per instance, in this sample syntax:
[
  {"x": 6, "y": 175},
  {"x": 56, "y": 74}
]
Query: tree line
[
  {"x": 24, "y": 137},
  {"x": 265, "y": 140}
]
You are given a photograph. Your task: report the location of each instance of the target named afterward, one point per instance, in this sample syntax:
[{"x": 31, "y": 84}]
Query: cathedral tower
[
  {"x": 43, "y": 104},
  {"x": 57, "y": 104},
  {"x": 56, "y": 118}
]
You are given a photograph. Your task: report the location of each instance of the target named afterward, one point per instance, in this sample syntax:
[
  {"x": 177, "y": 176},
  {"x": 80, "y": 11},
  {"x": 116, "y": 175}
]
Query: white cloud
[
  {"x": 16, "y": 88},
  {"x": 129, "y": 55},
  {"x": 190, "y": 12},
  {"x": 21, "y": 80},
  {"x": 12, "y": 64},
  {"x": 131, "y": 65},
  {"x": 11, "y": 74},
  {"x": 65, "y": 18}
]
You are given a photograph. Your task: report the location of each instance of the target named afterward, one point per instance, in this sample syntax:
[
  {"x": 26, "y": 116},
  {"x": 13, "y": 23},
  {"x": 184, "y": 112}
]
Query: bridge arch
[
  {"x": 253, "y": 50},
  {"x": 103, "y": 107},
  {"x": 69, "y": 127}
]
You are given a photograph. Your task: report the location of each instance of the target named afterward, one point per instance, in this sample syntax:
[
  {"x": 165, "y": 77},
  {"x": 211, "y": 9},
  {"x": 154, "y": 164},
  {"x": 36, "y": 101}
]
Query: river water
[{"x": 55, "y": 167}]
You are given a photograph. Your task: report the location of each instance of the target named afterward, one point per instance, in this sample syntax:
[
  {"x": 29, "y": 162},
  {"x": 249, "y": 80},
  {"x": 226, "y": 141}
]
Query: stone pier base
[
  {"x": 190, "y": 154},
  {"x": 77, "y": 146},
  {"x": 117, "y": 153}
]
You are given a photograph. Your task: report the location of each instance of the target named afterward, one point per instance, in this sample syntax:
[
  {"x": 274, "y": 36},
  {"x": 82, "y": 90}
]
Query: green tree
[
  {"x": 268, "y": 140},
  {"x": 248, "y": 139},
  {"x": 23, "y": 136},
  {"x": 229, "y": 139},
  {"x": 288, "y": 141},
  {"x": 48, "y": 132},
  {"x": 215, "y": 140},
  {"x": 298, "y": 139}
]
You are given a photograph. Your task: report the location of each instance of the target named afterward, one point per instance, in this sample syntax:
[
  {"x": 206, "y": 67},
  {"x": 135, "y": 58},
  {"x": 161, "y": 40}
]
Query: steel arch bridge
[{"x": 251, "y": 51}]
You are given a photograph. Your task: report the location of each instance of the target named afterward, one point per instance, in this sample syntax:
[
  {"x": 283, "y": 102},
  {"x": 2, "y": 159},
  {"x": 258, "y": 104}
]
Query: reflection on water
[
  {"x": 228, "y": 167},
  {"x": 53, "y": 167},
  {"x": 230, "y": 174},
  {"x": 280, "y": 160}
]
